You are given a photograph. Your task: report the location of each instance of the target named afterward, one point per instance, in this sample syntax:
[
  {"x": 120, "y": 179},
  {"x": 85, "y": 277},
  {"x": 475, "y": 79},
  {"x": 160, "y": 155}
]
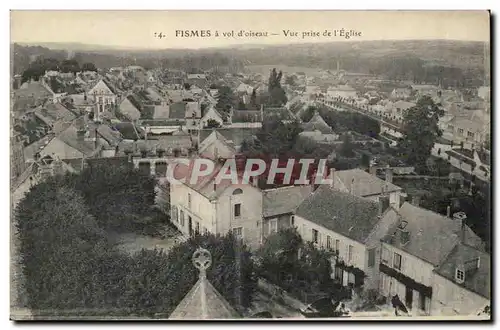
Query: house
[
  {"x": 348, "y": 225},
  {"x": 414, "y": 247},
  {"x": 360, "y": 183},
  {"x": 318, "y": 130},
  {"x": 200, "y": 205},
  {"x": 233, "y": 136},
  {"x": 279, "y": 205},
  {"x": 211, "y": 115},
  {"x": 341, "y": 92},
  {"x": 473, "y": 129},
  {"x": 397, "y": 110},
  {"x": 30, "y": 95},
  {"x": 462, "y": 283},
  {"x": 104, "y": 96},
  {"x": 216, "y": 146},
  {"x": 53, "y": 115},
  {"x": 128, "y": 108},
  {"x": 400, "y": 93}
]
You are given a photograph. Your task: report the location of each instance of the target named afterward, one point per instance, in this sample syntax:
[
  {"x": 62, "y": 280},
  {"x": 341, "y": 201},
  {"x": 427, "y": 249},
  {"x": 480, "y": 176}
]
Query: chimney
[
  {"x": 389, "y": 174},
  {"x": 415, "y": 200},
  {"x": 373, "y": 170},
  {"x": 332, "y": 177},
  {"x": 383, "y": 204},
  {"x": 460, "y": 218}
]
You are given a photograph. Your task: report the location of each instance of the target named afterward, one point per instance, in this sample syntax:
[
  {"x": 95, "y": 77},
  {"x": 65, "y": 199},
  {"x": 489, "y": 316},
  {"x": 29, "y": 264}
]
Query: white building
[
  {"x": 415, "y": 246},
  {"x": 341, "y": 91},
  {"x": 349, "y": 225}
]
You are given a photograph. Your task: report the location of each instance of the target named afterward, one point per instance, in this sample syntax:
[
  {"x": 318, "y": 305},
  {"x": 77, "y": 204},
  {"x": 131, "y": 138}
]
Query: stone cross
[{"x": 202, "y": 260}]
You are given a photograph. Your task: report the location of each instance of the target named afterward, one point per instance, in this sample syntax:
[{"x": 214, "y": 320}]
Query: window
[
  {"x": 182, "y": 218},
  {"x": 205, "y": 231},
  {"x": 328, "y": 242},
  {"x": 349, "y": 256},
  {"x": 238, "y": 232},
  {"x": 273, "y": 226},
  {"x": 371, "y": 257},
  {"x": 292, "y": 220},
  {"x": 197, "y": 227},
  {"x": 237, "y": 210},
  {"x": 470, "y": 134},
  {"x": 314, "y": 236},
  {"x": 385, "y": 255},
  {"x": 237, "y": 191},
  {"x": 100, "y": 99},
  {"x": 460, "y": 275},
  {"x": 397, "y": 261},
  {"x": 337, "y": 246},
  {"x": 461, "y": 130},
  {"x": 189, "y": 200}
]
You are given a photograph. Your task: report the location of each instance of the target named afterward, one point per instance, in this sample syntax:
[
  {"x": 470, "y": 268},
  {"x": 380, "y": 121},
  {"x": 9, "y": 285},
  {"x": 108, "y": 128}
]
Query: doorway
[{"x": 409, "y": 297}]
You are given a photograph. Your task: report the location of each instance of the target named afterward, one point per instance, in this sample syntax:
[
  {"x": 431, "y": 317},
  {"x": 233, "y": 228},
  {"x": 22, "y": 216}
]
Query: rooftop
[
  {"x": 477, "y": 280},
  {"x": 432, "y": 235},
  {"x": 341, "y": 212},
  {"x": 284, "y": 200},
  {"x": 363, "y": 184}
]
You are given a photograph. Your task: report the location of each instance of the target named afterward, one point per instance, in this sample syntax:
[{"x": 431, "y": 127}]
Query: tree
[
  {"x": 347, "y": 147},
  {"x": 69, "y": 66},
  {"x": 421, "y": 131},
  {"x": 132, "y": 197},
  {"x": 225, "y": 100},
  {"x": 89, "y": 67},
  {"x": 277, "y": 95},
  {"x": 253, "y": 100}
]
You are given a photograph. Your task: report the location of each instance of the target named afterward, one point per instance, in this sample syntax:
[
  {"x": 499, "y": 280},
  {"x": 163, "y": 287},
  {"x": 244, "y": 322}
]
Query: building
[
  {"x": 203, "y": 301},
  {"x": 349, "y": 225},
  {"x": 462, "y": 283},
  {"x": 129, "y": 109},
  {"x": 205, "y": 205},
  {"x": 279, "y": 207},
  {"x": 400, "y": 93},
  {"x": 216, "y": 146},
  {"x": 211, "y": 115},
  {"x": 104, "y": 96},
  {"x": 414, "y": 247},
  {"x": 341, "y": 92},
  {"x": 318, "y": 130},
  {"x": 18, "y": 163},
  {"x": 360, "y": 183}
]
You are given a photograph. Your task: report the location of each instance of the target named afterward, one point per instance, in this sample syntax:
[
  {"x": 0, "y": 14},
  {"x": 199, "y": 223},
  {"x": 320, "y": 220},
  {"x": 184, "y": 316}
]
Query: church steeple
[{"x": 203, "y": 301}]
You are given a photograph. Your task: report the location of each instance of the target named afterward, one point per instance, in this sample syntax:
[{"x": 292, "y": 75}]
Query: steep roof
[
  {"x": 477, "y": 280},
  {"x": 432, "y": 235},
  {"x": 346, "y": 214},
  {"x": 363, "y": 184},
  {"x": 317, "y": 123},
  {"x": 236, "y": 136},
  {"x": 190, "y": 308},
  {"x": 214, "y": 136},
  {"x": 284, "y": 200}
]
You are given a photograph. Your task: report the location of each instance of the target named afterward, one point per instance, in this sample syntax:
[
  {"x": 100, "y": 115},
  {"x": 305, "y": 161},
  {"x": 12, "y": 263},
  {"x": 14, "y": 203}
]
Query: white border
[{"x": 185, "y": 4}]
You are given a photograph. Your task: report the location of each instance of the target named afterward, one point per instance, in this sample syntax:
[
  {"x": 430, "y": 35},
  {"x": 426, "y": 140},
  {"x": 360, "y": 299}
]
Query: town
[{"x": 400, "y": 226}]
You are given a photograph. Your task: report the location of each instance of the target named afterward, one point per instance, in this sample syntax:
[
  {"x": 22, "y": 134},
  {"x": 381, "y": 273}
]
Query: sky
[{"x": 136, "y": 29}]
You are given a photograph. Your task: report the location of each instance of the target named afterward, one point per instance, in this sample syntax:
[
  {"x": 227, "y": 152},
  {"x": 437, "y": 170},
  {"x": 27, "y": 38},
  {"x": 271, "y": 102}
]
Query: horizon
[
  {"x": 103, "y": 47},
  {"x": 135, "y": 30}
]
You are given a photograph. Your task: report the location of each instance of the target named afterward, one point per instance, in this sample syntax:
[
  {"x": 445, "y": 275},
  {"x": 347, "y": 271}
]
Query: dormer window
[{"x": 459, "y": 275}]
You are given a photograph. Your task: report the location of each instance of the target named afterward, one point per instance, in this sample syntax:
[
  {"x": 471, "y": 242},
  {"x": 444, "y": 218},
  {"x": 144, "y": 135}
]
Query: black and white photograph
[{"x": 250, "y": 165}]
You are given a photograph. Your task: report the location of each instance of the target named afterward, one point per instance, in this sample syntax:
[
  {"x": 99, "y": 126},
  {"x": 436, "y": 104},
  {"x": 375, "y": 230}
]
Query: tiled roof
[
  {"x": 364, "y": 183},
  {"x": 234, "y": 135},
  {"x": 432, "y": 235},
  {"x": 284, "y": 200},
  {"x": 343, "y": 213},
  {"x": 477, "y": 280},
  {"x": 127, "y": 131}
]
